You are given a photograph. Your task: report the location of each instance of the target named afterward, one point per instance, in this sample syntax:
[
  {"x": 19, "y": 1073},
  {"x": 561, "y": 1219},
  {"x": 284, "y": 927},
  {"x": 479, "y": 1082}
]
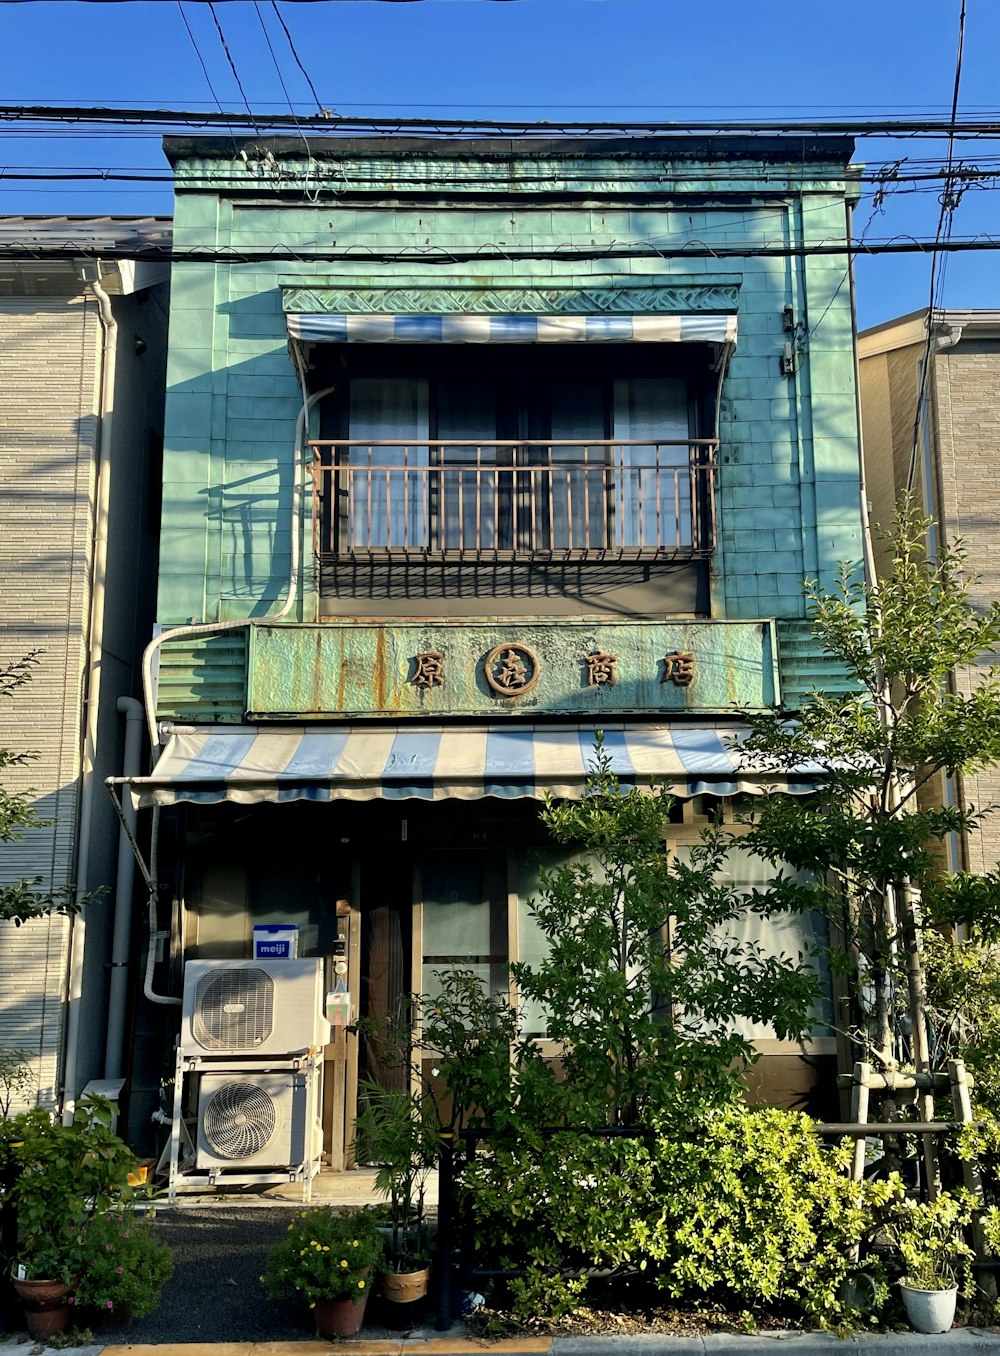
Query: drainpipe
[
  {"x": 122, "y": 936},
  {"x": 95, "y": 658},
  {"x": 156, "y": 934},
  {"x": 214, "y": 628}
]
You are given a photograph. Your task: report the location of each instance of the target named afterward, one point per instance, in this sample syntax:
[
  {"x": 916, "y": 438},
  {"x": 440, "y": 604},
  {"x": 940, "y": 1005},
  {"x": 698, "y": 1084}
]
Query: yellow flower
[
  {"x": 354, "y": 1244},
  {"x": 361, "y": 1285},
  {"x": 344, "y": 1262},
  {"x": 326, "y": 1249}
]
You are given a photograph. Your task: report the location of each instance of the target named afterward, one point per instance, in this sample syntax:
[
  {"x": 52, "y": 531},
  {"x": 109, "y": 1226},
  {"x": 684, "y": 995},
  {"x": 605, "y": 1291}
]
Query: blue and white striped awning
[
  {"x": 512, "y": 329},
  {"x": 248, "y": 765}
]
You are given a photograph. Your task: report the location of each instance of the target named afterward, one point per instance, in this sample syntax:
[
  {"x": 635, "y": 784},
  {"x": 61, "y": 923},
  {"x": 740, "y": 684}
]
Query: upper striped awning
[
  {"x": 365, "y": 763},
  {"x": 512, "y": 329}
]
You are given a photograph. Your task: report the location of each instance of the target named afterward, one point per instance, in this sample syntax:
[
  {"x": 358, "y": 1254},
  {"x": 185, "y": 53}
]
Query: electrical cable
[
  {"x": 943, "y": 238},
  {"x": 324, "y": 112},
  {"x": 901, "y": 244},
  {"x": 201, "y": 60},
  {"x": 896, "y": 127},
  {"x": 232, "y": 67},
  {"x": 281, "y": 78}
]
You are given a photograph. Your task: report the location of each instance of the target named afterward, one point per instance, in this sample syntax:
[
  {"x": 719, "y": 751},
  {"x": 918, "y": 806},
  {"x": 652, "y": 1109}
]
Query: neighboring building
[
  {"x": 556, "y": 480},
  {"x": 82, "y": 352},
  {"x": 948, "y": 457}
]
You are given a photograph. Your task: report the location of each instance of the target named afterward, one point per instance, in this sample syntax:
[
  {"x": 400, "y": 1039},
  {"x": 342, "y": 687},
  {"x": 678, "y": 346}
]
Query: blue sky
[{"x": 558, "y": 59}]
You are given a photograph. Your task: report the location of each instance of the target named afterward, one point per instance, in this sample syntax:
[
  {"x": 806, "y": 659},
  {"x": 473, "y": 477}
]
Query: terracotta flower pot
[
  {"x": 46, "y": 1305},
  {"x": 339, "y": 1317}
]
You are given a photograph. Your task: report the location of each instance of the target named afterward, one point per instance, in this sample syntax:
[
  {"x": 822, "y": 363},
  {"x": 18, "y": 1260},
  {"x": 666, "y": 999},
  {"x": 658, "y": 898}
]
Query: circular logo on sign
[{"x": 511, "y": 670}]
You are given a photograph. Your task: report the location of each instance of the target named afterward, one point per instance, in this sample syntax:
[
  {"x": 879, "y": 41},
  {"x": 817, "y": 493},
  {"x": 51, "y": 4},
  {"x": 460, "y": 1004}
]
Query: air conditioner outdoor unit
[
  {"x": 251, "y": 1008},
  {"x": 255, "y": 1121}
]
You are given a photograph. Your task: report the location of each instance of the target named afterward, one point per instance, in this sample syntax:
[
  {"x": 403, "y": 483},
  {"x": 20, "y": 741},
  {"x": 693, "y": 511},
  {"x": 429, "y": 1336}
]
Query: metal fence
[{"x": 608, "y": 499}]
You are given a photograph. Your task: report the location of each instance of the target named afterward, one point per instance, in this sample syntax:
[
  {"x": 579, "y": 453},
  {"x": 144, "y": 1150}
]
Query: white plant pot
[{"x": 929, "y": 1310}]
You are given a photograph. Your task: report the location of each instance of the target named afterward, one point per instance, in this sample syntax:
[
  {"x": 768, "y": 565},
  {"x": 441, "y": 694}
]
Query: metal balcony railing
[{"x": 448, "y": 499}]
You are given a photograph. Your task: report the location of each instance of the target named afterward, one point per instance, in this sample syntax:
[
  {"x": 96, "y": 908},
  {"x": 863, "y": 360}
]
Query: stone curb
[{"x": 961, "y": 1342}]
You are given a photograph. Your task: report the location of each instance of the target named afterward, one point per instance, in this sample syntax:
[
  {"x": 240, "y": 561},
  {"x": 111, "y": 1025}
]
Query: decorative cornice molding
[{"x": 666, "y": 298}]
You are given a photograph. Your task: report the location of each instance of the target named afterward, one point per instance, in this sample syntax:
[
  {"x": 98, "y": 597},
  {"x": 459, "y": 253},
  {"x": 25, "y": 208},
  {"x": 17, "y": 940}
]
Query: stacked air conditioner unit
[{"x": 252, "y": 1036}]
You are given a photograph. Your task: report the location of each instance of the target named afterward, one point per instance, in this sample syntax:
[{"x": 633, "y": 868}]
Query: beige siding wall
[
  {"x": 966, "y": 394},
  {"x": 49, "y": 371}
]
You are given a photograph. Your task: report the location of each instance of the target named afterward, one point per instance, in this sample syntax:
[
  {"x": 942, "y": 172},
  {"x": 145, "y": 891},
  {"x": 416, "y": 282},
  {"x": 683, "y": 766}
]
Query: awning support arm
[{"x": 112, "y": 784}]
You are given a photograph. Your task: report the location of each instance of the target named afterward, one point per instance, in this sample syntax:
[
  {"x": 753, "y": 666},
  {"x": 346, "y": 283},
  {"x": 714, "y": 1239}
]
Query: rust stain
[{"x": 378, "y": 677}]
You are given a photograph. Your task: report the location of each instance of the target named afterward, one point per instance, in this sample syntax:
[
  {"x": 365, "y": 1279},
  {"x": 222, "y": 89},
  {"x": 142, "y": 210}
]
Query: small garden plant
[
  {"x": 122, "y": 1264},
  {"x": 929, "y": 1238},
  {"x": 325, "y": 1254}
]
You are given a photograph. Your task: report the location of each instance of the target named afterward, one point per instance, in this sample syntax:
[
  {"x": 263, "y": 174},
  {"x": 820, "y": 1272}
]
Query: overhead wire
[
  {"x": 973, "y": 128},
  {"x": 324, "y": 112},
  {"x": 696, "y": 249},
  {"x": 201, "y": 60},
  {"x": 949, "y": 201},
  {"x": 232, "y": 66}
]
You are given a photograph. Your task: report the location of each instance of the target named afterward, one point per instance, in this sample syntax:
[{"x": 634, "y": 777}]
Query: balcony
[{"x": 450, "y": 500}]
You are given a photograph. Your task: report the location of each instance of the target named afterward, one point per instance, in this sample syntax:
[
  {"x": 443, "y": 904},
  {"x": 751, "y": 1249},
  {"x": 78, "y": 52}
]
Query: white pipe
[
  {"x": 121, "y": 945},
  {"x": 95, "y": 659},
  {"x": 155, "y": 933},
  {"x": 210, "y": 628}
]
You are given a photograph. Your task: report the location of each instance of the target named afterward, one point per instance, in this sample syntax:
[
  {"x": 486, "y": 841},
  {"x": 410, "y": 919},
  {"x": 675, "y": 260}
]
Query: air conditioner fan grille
[
  {"x": 239, "y": 1120},
  {"x": 234, "y": 1008}
]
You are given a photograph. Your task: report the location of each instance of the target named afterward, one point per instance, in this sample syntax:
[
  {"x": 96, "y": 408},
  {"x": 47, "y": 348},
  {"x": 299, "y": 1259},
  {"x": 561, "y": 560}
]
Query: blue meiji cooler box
[{"x": 275, "y": 941}]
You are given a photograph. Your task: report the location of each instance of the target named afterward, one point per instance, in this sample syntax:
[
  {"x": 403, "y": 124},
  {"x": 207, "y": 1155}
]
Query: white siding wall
[{"x": 49, "y": 374}]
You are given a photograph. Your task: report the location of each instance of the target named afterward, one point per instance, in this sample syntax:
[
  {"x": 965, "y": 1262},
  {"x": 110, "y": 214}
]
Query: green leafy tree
[
  {"x": 24, "y": 899},
  {"x": 871, "y": 837},
  {"x": 645, "y": 975}
]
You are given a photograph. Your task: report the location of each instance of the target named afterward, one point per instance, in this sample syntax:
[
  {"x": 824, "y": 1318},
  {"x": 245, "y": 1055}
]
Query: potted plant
[
  {"x": 929, "y": 1240},
  {"x": 398, "y": 1132},
  {"x": 66, "y": 1174},
  {"x": 123, "y": 1267},
  {"x": 327, "y": 1257}
]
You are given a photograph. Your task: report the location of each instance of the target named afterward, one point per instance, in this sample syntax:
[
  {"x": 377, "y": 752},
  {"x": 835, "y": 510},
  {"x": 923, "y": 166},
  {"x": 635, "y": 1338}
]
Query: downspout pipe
[
  {"x": 95, "y": 664},
  {"x": 122, "y": 936},
  {"x": 291, "y": 597}
]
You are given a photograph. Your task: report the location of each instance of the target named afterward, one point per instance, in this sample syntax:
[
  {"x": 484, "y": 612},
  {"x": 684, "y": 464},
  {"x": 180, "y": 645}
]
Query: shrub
[
  {"x": 122, "y": 1262},
  {"x": 747, "y": 1204},
  {"x": 325, "y": 1254}
]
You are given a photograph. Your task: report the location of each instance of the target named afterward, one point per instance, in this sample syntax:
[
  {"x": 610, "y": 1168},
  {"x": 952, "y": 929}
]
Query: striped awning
[
  {"x": 512, "y": 329},
  {"x": 365, "y": 763}
]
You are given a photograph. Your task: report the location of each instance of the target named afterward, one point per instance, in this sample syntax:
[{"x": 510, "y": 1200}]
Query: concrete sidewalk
[{"x": 960, "y": 1342}]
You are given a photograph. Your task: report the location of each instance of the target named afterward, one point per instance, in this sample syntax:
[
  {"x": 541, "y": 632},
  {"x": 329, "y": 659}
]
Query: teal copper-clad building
[{"x": 474, "y": 448}]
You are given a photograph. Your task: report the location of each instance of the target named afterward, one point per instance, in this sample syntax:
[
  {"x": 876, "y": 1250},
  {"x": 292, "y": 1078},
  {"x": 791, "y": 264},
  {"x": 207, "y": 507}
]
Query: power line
[
  {"x": 277, "y": 68},
  {"x": 324, "y": 112},
  {"x": 190, "y": 118},
  {"x": 943, "y": 236},
  {"x": 434, "y": 255},
  {"x": 201, "y": 60},
  {"x": 232, "y": 66},
  {"x": 923, "y": 183}
]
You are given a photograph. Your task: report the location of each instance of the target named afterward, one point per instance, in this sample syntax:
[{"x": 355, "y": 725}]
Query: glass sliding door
[{"x": 464, "y": 918}]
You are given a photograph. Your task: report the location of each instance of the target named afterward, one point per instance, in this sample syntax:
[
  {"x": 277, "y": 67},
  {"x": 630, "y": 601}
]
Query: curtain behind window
[
  {"x": 389, "y": 491},
  {"x": 653, "y": 509}
]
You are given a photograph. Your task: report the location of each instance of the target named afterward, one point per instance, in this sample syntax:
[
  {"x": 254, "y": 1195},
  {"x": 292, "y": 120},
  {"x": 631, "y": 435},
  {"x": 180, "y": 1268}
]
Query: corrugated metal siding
[
  {"x": 49, "y": 368},
  {"x": 204, "y": 679},
  {"x": 805, "y": 668}
]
